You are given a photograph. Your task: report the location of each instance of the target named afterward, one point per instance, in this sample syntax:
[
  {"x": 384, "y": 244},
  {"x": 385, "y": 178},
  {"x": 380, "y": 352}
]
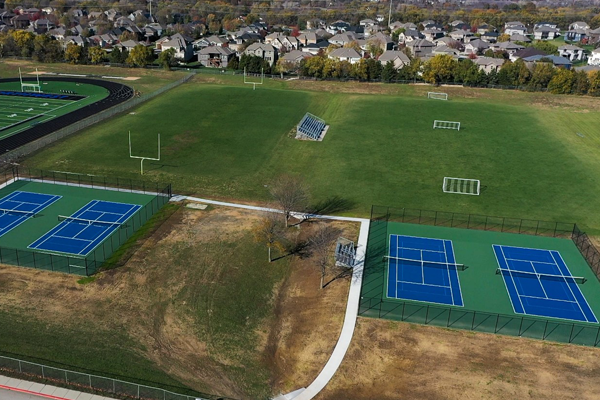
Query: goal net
[
  {"x": 461, "y": 186},
  {"x": 437, "y": 96},
  {"x": 446, "y": 125}
]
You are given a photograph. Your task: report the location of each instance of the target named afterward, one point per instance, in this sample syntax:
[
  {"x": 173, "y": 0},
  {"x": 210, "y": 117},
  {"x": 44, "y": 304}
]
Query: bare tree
[
  {"x": 291, "y": 194},
  {"x": 269, "y": 231},
  {"x": 321, "y": 244}
]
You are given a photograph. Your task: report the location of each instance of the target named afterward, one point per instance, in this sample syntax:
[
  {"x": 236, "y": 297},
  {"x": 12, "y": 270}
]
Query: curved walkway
[
  {"x": 347, "y": 332},
  {"x": 18, "y": 389}
]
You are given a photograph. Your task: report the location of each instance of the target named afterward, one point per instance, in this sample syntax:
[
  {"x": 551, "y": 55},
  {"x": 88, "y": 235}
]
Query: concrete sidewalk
[{"x": 18, "y": 389}]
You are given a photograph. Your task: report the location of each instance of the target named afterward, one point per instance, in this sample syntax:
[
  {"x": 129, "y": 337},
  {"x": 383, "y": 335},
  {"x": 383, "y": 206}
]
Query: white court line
[
  {"x": 546, "y": 298},
  {"x": 448, "y": 271},
  {"x": 425, "y": 284},
  {"x": 504, "y": 280},
  {"x": 513, "y": 281},
  {"x": 571, "y": 290},
  {"x": 539, "y": 279}
]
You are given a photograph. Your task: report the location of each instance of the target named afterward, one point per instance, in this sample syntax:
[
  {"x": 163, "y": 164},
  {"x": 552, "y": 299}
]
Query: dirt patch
[{"x": 394, "y": 360}]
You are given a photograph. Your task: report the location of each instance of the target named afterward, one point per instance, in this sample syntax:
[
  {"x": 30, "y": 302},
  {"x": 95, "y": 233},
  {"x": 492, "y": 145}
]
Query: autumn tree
[
  {"x": 167, "y": 58},
  {"x": 290, "y": 192},
  {"x": 594, "y": 89},
  {"x": 140, "y": 56},
  {"x": 270, "y": 231},
  {"x": 388, "y": 74},
  {"x": 541, "y": 75},
  {"x": 96, "y": 55},
  {"x": 73, "y": 53},
  {"x": 439, "y": 69},
  {"x": 581, "y": 82},
  {"x": 562, "y": 82}
]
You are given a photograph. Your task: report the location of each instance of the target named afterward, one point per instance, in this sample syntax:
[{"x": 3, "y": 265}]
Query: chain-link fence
[
  {"x": 374, "y": 303},
  {"x": 95, "y": 384},
  {"x": 98, "y": 257},
  {"x": 87, "y": 122}
]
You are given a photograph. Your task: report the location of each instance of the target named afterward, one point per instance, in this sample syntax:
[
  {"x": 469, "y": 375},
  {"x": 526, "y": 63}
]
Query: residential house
[
  {"x": 127, "y": 45},
  {"x": 94, "y": 14},
  {"x": 594, "y": 58},
  {"x": 112, "y": 14},
  {"x": 443, "y": 49},
  {"x": 315, "y": 48},
  {"x": 367, "y": 22},
  {"x": 489, "y": 64},
  {"x": 384, "y": 41},
  {"x": 106, "y": 40},
  {"x": 6, "y": 17},
  {"x": 77, "y": 40},
  {"x": 545, "y": 25},
  {"x": 209, "y": 41},
  {"x": 557, "y": 61},
  {"x": 58, "y": 33},
  {"x": 183, "y": 46},
  {"x": 20, "y": 21},
  {"x": 456, "y": 23},
  {"x": 461, "y": 35},
  {"x": 345, "y": 54},
  {"x": 485, "y": 28},
  {"x": 315, "y": 23},
  {"x": 490, "y": 37},
  {"x": 432, "y": 34},
  {"x": 520, "y": 38},
  {"x": 447, "y": 40},
  {"x": 215, "y": 56},
  {"x": 545, "y": 33},
  {"x": 394, "y": 26},
  {"x": 342, "y": 39},
  {"x": 593, "y": 36},
  {"x": 508, "y": 47},
  {"x": 410, "y": 35},
  {"x": 579, "y": 25},
  {"x": 571, "y": 52},
  {"x": 398, "y": 58},
  {"x": 307, "y": 38},
  {"x": 47, "y": 10},
  {"x": 420, "y": 48},
  {"x": 264, "y": 51},
  {"x": 515, "y": 27},
  {"x": 295, "y": 57},
  {"x": 526, "y": 52},
  {"x": 122, "y": 22},
  {"x": 337, "y": 26},
  {"x": 476, "y": 46},
  {"x": 77, "y": 13},
  {"x": 576, "y": 35},
  {"x": 43, "y": 25}
]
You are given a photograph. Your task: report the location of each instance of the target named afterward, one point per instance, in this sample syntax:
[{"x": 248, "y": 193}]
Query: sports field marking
[
  {"x": 82, "y": 232},
  {"x": 539, "y": 282},
  {"x": 423, "y": 269},
  {"x": 24, "y": 206},
  {"x": 17, "y": 110}
]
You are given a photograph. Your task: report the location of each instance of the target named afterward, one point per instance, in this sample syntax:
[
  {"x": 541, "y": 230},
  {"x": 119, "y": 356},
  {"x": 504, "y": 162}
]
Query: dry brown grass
[
  {"x": 393, "y": 360},
  {"x": 153, "y": 297}
]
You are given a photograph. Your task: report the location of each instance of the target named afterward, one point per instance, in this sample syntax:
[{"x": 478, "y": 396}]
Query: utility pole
[{"x": 390, "y": 15}]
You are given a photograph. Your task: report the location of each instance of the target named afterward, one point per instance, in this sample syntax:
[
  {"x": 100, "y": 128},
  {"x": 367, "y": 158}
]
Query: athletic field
[
  {"x": 231, "y": 141},
  {"x": 68, "y": 228},
  {"x": 19, "y": 111},
  {"x": 497, "y": 282}
]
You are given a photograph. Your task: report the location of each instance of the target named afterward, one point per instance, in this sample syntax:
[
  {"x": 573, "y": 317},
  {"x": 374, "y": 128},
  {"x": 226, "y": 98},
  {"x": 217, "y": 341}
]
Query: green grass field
[
  {"x": 20, "y": 113},
  {"x": 230, "y": 141}
]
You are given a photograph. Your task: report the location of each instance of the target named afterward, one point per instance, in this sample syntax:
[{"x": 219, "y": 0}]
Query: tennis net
[
  {"x": 19, "y": 213},
  {"x": 84, "y": 221},
  {"x": 535, "y": 275},
  {"x": 423, "y": 263}
]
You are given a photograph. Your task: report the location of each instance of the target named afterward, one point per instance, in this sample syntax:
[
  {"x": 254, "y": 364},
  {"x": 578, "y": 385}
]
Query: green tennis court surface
[
  {"x": 18, "y": 113},
  {"x": 488, "y": 300},
  {"x": 36, "y": 234}
]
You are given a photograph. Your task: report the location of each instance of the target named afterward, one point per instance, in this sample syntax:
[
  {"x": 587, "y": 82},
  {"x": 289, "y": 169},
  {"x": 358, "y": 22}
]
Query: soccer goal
[
  {"x": 254, "y": 83},
  {"x": 461, "y": 186},
  {"x": 446, "y": 125},
  {"x": 437, "y": 96}
]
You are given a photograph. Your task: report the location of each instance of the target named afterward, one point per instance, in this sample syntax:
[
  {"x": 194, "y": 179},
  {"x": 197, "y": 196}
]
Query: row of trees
[
  {"x": 445, "y": 69},
  {"x": 44, "y": 48}
]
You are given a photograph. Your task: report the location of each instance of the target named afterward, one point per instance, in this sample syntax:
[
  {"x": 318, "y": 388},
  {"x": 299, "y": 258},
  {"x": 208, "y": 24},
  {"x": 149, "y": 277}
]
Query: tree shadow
[
  {"x": 331, "y": 205},
  {"x": 300, "y": 249},
  {"x": 344, "y": 274}
]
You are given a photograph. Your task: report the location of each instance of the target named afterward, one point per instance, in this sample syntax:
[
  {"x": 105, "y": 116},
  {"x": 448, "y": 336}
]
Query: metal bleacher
[{"x": 311, "y": 127}]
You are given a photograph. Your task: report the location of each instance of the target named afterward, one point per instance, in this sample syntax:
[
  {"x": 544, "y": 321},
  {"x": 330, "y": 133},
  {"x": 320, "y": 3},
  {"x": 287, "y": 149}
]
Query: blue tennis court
[
  {"x": 423, "y": 269},
  {"x": 19, "y": 206},
  {"x": 540, "y": 283},
  {"x": 81, "y": 232}
]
